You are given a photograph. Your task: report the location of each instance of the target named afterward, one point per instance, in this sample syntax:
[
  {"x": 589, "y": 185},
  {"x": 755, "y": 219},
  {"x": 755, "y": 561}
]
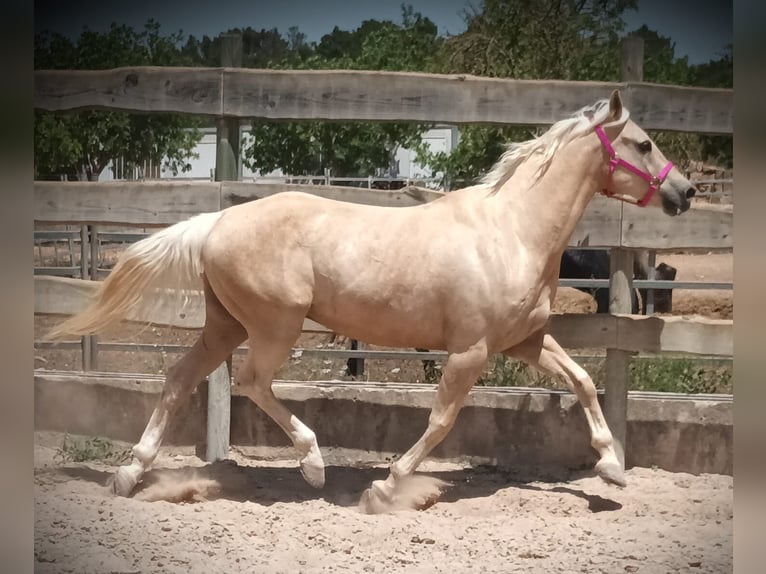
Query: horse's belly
[{"x": 381, "y": 325}]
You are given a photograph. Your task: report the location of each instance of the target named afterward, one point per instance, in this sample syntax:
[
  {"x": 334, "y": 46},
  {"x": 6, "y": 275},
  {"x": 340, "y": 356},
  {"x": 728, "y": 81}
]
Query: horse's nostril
[{"x": 690, "y": 192}]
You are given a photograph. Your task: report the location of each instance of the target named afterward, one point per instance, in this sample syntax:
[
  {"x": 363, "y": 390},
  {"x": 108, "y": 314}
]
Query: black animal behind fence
[{"x": 594, "y": 264}]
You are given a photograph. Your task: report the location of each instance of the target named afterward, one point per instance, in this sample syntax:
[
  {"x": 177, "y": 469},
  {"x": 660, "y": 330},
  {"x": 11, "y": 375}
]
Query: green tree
[
  {"x": 260, "y": 48},
  {"x": 410, "y": 46},
  {"x": 348, "y": 149},
  {"x": 525, "y": 39},
  {"x": 81, "y": 144},
  {"x": 718, "y": 73},
  {"x": 661, "y": 66},
  {"x": 540, "y": 39},
  {"x": 339, "y": 43}
]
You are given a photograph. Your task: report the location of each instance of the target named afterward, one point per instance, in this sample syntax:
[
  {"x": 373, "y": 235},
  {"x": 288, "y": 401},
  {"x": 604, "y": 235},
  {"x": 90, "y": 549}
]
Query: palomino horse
[{"x": 483, "y": 286}]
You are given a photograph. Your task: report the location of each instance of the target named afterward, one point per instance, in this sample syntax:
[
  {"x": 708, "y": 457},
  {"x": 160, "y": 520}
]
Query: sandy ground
[
  {"x": 712, "y": 267},
  {"x": 259, "y": 516}
]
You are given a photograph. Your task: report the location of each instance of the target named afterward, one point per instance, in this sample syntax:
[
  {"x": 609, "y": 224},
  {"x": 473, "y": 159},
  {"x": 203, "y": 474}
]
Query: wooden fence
[
  {"x": 232, "y": 94},
  {"x": 376, "y": 96}
]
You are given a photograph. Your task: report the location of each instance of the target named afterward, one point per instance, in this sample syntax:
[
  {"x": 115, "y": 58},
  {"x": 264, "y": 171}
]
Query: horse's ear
[
  {"x": 617, "y": 118},
  {"x": 615, "y": 107}
]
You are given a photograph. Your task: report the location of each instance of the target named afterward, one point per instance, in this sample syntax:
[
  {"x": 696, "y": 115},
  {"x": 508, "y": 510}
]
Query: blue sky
[{"x": 701, "y": 29}]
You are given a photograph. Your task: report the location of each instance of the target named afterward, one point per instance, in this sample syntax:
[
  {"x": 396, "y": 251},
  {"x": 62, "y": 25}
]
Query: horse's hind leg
[
  {"x": 546, "y": 355},
  {"x": 266, "y": 355},
  {"x": 220, "y": 335}
]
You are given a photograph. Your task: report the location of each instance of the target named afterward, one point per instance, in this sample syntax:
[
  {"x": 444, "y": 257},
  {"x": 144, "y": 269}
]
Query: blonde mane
[{"x": 559, "y": 134}]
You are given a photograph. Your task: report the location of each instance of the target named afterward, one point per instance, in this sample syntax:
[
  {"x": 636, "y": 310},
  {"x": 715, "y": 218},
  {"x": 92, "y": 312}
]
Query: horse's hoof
[
  {"x": 124, "y": 481},
  {"x": 413, "y": 492},
  {"x": 611, "y": 472},
  {"x": 313, "y": 474},
  {"x": 376, "y": 499},
  {"x": 312, "y": 468}
]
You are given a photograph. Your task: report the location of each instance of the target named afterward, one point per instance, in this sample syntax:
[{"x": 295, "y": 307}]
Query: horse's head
[{"x": 638, "y": 171}]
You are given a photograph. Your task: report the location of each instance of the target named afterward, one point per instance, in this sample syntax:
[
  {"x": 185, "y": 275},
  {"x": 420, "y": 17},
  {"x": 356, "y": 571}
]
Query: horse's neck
[{"x": 549, "y": 210}]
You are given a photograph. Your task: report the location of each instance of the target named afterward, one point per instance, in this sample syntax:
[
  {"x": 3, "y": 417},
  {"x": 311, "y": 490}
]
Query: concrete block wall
[{"x": 530, "y": 430}]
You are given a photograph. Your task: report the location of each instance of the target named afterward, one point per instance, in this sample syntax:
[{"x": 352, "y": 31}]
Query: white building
[{"x": 440, "y": 138}]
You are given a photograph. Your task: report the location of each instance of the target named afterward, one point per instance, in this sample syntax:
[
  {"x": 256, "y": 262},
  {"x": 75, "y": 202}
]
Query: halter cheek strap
[{"x": 614, "y": 160}]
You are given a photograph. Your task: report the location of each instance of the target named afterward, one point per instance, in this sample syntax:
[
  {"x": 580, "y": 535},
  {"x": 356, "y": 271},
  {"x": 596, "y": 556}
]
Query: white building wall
[{"x": 442, "y": 138}]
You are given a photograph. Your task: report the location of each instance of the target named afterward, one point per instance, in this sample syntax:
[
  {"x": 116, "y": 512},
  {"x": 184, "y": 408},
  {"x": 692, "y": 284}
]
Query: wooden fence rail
[
  {"x": 606, "y": 223},
  {"x": 98, "y": 238},
  {"x": 631, "y": 333},
  {"x": 374, "y": 96}
]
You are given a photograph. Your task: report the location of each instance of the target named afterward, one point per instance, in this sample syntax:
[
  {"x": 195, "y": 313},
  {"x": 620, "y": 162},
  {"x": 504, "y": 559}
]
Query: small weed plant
[{"x": 90, "y": 449}]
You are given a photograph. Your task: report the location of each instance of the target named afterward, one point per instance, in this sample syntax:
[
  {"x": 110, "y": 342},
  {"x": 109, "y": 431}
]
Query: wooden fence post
[
  {"x": 617, "y": 361},
  {"x": 651, "y": 275},
  {"x": 632, "y": 59},
  {"x": 227, "y": 168},
  {"x": 85, "y": 341},
  {"x": 621, "y": 286},
  {"x": 355, "y": 365},
  {"x": 94, "y": 258}
]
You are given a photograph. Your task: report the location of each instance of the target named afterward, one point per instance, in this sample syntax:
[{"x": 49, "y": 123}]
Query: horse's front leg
[
  {"x": 458, "y": 376},
  {"x": 545, "y": 354}
]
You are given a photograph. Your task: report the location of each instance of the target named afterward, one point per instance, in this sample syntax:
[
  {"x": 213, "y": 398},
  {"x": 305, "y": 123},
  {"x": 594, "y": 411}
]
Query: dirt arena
[
  {"x": 253, "y": 514},
  {"x": 259, "y": 516}
]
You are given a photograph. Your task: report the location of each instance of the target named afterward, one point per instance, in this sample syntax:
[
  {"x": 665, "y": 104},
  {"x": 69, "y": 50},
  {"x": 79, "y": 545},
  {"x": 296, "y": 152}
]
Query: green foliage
[
  {"x": 478, "y": 149},
  {"x": 541, "y": 39},
  {"x": 87, "y": 449},
  {"x": 565, "y": 40},
  {"x": 503, "y": 371},
  {"x": 347, "y": 149},
  {"x": 665, "y": 374},
  {"x": 260, "y": 48},
  {"x": 717, "y": 73},
  {"x": 412, "y": 45},
  {"x": 662, "y": 67},
  {"x": 661, "y": 374},
  {"x": 660, "y": 63},
  {"x": 80, "y": 144}
]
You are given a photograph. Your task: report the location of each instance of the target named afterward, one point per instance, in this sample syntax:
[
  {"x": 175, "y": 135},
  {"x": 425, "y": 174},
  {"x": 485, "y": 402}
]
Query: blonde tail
[{"x": 168, "y": 259}]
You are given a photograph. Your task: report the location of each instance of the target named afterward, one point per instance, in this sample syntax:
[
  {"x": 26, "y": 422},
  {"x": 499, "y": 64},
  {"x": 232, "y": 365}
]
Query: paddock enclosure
[{"x": 518, "y": 502}]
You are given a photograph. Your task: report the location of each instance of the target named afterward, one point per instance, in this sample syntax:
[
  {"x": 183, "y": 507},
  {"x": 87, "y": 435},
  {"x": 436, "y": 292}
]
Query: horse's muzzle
[{"x": 675, "y": 201}]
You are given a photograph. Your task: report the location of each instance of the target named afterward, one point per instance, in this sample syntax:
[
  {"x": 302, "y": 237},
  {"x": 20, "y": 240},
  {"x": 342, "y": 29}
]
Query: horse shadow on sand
[{"x": 344, "y": 485}]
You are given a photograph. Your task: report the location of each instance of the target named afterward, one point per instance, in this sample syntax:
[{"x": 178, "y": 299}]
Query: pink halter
[{"x": 614, "y": 160}]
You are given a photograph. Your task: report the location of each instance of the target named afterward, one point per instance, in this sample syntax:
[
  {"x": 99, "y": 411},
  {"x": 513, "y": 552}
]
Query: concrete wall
[{"x": 524, "y": 429}]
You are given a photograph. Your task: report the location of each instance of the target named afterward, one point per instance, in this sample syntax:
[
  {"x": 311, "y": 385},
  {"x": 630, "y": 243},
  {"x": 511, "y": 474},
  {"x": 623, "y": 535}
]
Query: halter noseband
[{"x": 614, "y": 160}]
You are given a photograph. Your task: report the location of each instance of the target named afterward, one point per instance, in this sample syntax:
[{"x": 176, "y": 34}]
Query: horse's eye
[{"x": 645, "y": 146}]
